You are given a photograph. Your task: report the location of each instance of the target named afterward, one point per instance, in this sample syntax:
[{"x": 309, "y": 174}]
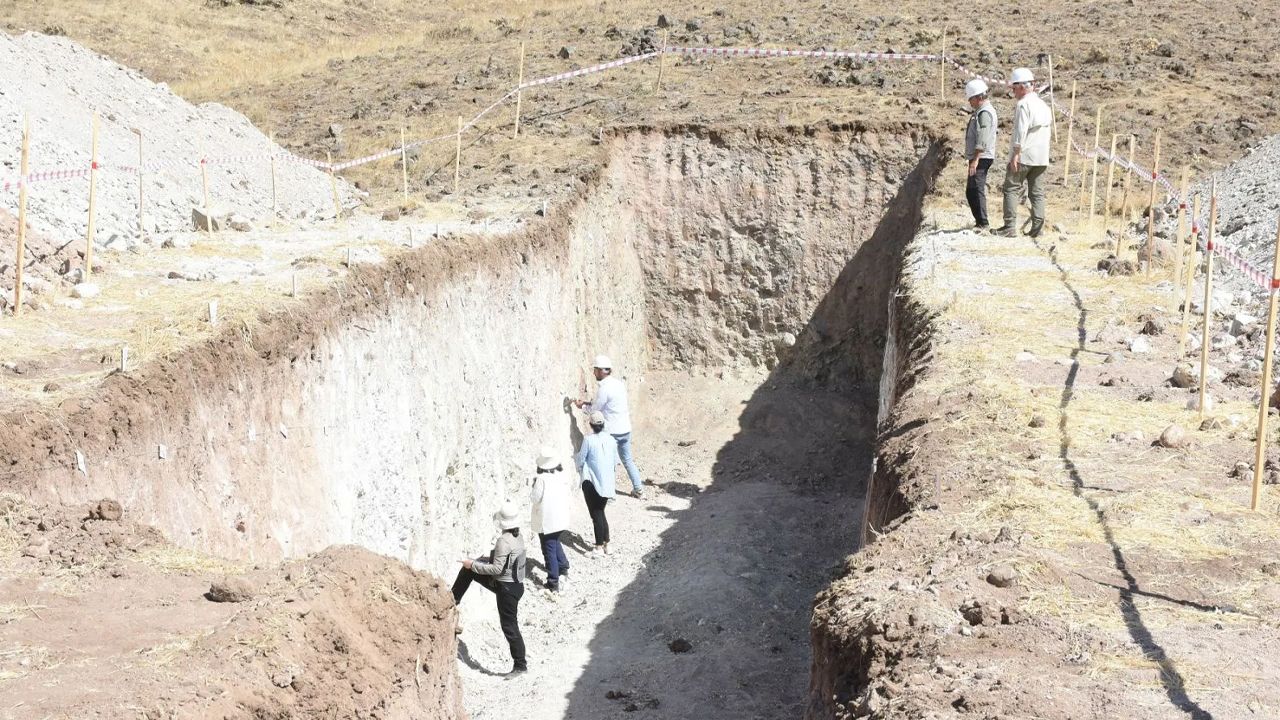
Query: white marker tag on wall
[
  {"x": 284, "y": 431},
  {"x": 162, "y": 452},
  {"x": 80, "y": 464},
  {"x": 253, "y": 433}
]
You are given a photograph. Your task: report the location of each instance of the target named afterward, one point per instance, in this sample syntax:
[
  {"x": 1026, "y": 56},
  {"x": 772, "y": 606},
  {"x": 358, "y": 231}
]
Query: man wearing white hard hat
[
  {"x": 611, "y": 401},
  {"x": 502, "y": 573},
  {"x": 550, "y": 498},
  {"x": 979, "y": 148},
  {"x": 1028, "y": 155}
]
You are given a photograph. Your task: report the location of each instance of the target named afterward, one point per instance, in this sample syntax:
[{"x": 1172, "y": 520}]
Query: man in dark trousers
[
  {"x": 503, "y": 574},
  {"x": 979, "y": 149}
]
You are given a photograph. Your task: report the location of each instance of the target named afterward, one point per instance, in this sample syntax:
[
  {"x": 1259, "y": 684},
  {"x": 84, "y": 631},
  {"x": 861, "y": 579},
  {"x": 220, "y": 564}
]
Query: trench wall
[{"x": 397, "y": 409}]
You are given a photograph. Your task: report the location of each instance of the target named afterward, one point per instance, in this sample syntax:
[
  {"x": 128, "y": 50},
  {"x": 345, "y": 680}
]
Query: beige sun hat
[
  {"x": 508, "y": 517},
  {"x": 547, "y": 459},
  {"x": 596, "y": 418}
]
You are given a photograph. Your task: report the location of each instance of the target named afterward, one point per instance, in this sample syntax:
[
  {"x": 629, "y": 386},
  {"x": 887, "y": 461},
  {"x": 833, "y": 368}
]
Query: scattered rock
[
  {"x": 680, "y": 645},
  {"x": 1184, "y": 376},
  {"x": 1242, "y": 324},
  {"x": 106, "y": 509},
  {"x": 1024, "y": 356},
  {"x": 1005, "y": 535},
  {"x": 1111, "y": 266},
  {"x": 564, "y": 53},
  {"x": 1242, "y": 470},
  {"x": 335, "y": 130},
  {"x": 1154, "y": 326},
  {"x": 231, "y": 590},
  {"x": 85, "y": 290},
  {"x": 1037, "y": 421},
  {"x": 1193, "y": 403},
  {"x": 1173, "y": 437},
  {"x": 205, "y": 221},
  {"x": 50, "y": 387},
  {"x": 663, "y": 22},
  {"x": 1002, "y": 576},
  {"x": 1140, "y": 345},
  {"x": 37, "y": 548},
  {"x": 239, "y": 223}
]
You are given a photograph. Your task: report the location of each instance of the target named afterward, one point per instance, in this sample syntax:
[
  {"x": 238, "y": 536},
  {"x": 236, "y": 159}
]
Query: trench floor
[{"x": 753, "y": 496}]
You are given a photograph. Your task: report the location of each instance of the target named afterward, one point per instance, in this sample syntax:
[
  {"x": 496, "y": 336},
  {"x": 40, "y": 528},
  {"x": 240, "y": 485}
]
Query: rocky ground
[{"x": 1078, "y": 542}]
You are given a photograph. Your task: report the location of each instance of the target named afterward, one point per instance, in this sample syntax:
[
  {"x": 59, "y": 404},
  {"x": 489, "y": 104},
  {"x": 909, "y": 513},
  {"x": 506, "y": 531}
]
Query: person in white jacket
[
  {"x": 611, "y": 400},
  {"x": 550, "y": 498},
  {"x": 1028, "y": 154}
]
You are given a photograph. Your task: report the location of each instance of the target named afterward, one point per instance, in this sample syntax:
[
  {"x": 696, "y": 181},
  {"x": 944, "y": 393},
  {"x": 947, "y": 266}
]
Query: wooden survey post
[
  {"x": 1066, "y": 149},
  {"x": 1208, "y": 293},
  {"x": 1124, "y": 197},
  {"x": 1181, "y": 231},
  {"x": 274, "y": 208},
  {"x": 333, "y": 184},
  {"x": 942, "y": 70},
  {"x": 1053, "y": 106},
  {"x": 1097, "y": 137},
  {"x": 24, "y": 168},
  {"x": 457, "y": 157},
  {"x": 519, "y": 93},
  {"x": 404, "y": 166},
  {"x": 1106, "y": 197},
  {"x": 662, "y": 61},
  {"x": 93, "y": 197},
  {"x": 1191, "y": 276},
  {"x": 142, "y": 232},
  {"x": 1264, "y": 403},
  {"x": 204, "y": 182},
  {"x": 1151, "y": 206}
]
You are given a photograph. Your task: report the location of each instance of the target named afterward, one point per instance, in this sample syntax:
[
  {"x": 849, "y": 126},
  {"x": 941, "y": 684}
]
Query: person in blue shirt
[{"x": 597, "y": 461}]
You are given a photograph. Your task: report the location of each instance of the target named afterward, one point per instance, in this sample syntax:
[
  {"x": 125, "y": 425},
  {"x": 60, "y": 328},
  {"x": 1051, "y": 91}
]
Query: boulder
[
  {"x": 1185, "y": 376},
  {"x": 85, "y": 290},
  {"x": 231, "y": 590},
  {"x": 210, "y": 220},
  {"x": 1173, "y": 437},
  {"x": 1242, "y": 324},
  {"x": 1002, "y": 576}
]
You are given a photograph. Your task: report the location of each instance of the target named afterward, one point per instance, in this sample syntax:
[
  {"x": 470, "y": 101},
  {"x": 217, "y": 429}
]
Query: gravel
[
  {"x": 1248, "y": 202},
  {"x": 60, "y": 84}
]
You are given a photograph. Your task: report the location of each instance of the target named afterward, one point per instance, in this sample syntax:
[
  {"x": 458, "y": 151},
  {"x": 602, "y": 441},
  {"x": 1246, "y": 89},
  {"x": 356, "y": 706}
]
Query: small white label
[
  {"x": 80, "y": 464},
  {"x": 162, "y": 452}
]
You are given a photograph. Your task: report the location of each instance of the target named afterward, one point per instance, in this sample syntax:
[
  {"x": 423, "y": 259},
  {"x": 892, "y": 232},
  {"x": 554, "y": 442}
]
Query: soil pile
[{"x": 59, "y": 85}]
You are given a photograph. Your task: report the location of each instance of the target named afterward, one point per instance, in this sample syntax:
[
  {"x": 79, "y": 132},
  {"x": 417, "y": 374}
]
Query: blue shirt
[{"x": 597, "y": 462}]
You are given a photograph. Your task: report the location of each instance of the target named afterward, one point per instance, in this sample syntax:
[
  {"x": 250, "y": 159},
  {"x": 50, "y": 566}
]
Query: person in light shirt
[
  {"x": 611, "y": 401},
  {"x": 1028, "y": 155}
]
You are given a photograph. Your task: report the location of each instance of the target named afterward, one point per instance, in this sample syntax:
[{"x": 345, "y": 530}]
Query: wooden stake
[
  {"x": 1177, "y": 238},
  {"x": 457, "y": 157},
  {"x": 124, "y": 358},
  {"x": 662, "y": 61},
  {"x": 333, "y": 183},
  {"x": 1191, "y": 276},
  {"x": 1264, "y": 404},
  {"x": 404, "y": 166},
  {"x": 1053, "y": 106},
  {"x": 1106, "y": 197},
  {"x": 519, "y": 95},
  {"x": 1208, "y": 293},
  {"x": 1066, "y": 150},
  {"x": 204, "y": 181},
  {"x": 1084, "y": 186},
  {"x": 942, "y": 70},
  {"x": 142, "y": 233},
  {"x": 1151, "y": 206},
  {"x": 213, "y": 312},
  {"x": 24, "y": 169},
  {"x": 1097, "y": 137},
  {"x": 1124, "y": 198},
  {"x": 275, "y": 213},
  {"x": 93, "y": 197},
  {"x": 294, "y": 291}
]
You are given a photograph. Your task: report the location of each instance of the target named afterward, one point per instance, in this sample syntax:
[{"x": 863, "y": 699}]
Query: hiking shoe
[
  {"x": 517, "y": 671},
  {"x": 607, "y": 551},
  {"x": 596, "y": 554},
  {"x": 638, "y": 493}
]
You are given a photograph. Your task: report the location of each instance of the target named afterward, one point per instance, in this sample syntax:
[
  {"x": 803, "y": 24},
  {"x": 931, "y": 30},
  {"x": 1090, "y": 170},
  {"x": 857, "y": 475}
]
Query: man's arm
[{"x": 1021, "y": 122}]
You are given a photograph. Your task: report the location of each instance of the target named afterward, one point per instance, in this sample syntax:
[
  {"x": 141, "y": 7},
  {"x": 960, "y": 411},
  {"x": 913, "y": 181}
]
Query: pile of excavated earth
[{"x": 58, "y": 86}]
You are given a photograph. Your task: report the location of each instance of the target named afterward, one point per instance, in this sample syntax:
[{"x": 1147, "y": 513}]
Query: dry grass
[{"x": 172, "y": 559}]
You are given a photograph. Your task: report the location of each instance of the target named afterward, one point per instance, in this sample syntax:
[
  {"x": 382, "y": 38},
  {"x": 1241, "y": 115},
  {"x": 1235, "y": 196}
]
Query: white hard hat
[
  {"x": 508, "y": 517},
  {"x": 974, "y": 87},
  {"x": 547, "y": 459},
  {"x": 1021, "y": 75},
  {"x": 602, "y": 362}
]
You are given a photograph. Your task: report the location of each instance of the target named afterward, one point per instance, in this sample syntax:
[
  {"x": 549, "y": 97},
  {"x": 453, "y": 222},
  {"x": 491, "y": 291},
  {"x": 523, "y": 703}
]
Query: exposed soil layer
[
  {"x": 407, "y": 403},
  {"x": 1038, "y": 550}
]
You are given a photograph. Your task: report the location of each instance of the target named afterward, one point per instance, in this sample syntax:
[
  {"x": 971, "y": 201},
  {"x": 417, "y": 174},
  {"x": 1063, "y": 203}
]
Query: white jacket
[
  {"x": 550, "y": 502},
  {"x": 1032, "y": 124}
]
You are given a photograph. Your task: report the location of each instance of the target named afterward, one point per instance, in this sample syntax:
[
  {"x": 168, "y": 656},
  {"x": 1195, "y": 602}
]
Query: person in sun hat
[
  {"x": 1028, "y": 154},
  {"x": 502, "y": 572},
  {"x": 979, "y": 148},
  {"x": 597, "y": 461},
  {"x": 550, "y": 498},
  {"x": 611, "y": 401}
]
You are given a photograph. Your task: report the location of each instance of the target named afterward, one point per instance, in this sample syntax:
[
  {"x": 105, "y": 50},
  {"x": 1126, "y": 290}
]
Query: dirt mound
[
  {"x": 345, "y": 633},
  {"x": 60, "y": 85}
]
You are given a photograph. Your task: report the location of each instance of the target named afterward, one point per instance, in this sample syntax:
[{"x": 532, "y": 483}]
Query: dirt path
[{"x": 737, "y": 534}]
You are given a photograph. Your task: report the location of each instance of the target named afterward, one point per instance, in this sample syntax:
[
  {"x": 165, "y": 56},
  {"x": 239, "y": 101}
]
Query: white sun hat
[{"x": 603, "y": 362}]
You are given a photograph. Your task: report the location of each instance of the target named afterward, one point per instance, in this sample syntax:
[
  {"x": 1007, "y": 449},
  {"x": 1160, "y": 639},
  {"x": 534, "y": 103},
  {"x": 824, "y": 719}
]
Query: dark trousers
[
  {"x": 553, "y": 554},
  {"x": 595, "y": 506},
  {"x": 508, "y": 594},
  {"x": 975, "y": 191}
]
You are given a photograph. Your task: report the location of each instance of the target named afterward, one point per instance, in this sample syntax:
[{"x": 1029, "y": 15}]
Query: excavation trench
[{"x": 741, "y": 280}]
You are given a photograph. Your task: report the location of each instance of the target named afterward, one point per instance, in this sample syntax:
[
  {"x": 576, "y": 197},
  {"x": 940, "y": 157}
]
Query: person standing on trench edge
[
  {"x": 597, "y": 460},
  {"x": 979, "y": 149},
  {"x": 502, "y": 573},
  {"x": 550, "y": 499},
  {"x": 611, "y": 401},
  {"x": 1028, "y": 156}
]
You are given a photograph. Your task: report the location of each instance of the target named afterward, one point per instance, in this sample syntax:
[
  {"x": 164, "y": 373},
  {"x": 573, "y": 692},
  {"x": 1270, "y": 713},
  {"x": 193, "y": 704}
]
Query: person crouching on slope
[{"x": 502, "y": 573}]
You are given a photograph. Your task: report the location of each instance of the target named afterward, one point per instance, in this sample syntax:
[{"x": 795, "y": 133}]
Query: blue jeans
[
  {"x": 553, "y": 554},
  {"x": 624, "y": 453}
]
